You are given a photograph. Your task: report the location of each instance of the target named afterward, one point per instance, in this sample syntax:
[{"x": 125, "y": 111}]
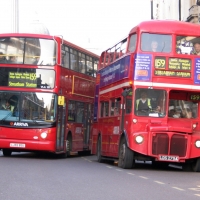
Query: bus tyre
[
  {"x": 7, "y": 152},
  {"x": 68, "y": 147},
  {"x": 196, "y": 165},
  {"x": 99, "y": 158},
  {"x": 187, "y": 167},
  {"x": 67, "y": 153},
  {"x": 126, "y": 155}
]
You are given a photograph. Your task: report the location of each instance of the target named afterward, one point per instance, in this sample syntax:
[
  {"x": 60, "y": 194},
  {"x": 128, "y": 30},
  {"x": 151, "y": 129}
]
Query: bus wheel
[
  {"x": 7, "y": 152},
  {"x": 68, "y": 147},
  {"x": 126, "y": 156},
  {"x": 196, "y": 165},
  {"x": 99, "y": 158},
  {"x": 187, "y": 167},
  {"x": 67, "y": 153}
]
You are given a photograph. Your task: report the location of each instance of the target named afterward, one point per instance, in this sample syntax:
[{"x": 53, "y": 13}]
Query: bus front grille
[{"x": 174, "y": 145}]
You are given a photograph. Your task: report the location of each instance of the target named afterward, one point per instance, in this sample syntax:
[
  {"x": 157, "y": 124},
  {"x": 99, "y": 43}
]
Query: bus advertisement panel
[
  {"x": 147, "y": 97},
  {"x": 47, "y": 87}
]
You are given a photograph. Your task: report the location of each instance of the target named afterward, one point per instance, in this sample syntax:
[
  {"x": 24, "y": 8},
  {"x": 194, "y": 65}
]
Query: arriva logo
[{"x": 20, "y": 124}]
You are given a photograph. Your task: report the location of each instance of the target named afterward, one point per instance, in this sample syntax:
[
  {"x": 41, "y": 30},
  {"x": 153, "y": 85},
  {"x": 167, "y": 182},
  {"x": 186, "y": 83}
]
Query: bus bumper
[{"x": 27, "y": 145}]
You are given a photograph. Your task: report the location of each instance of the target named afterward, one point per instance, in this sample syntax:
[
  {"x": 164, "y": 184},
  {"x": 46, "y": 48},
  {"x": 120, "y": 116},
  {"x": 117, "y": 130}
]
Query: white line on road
[
  {"x": 119, "y": 170},
  {"x": 197, "y": 195},
  {"x": 131, "y": 174},
  {"x": 159, "y": 182},
  {"x": 143, "y": 177},
  {"x": 178, "y": 188},
  {"x": 109, "y": 167}
]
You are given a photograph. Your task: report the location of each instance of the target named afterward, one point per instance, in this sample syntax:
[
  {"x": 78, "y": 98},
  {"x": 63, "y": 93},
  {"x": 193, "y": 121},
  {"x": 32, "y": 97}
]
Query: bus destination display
[{"x": 18, "y": 79}]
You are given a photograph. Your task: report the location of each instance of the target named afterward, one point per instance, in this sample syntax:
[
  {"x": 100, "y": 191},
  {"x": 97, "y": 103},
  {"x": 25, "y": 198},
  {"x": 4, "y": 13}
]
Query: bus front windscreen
[
  {"x": 34, "y": 51},
  {"x": 27, "y": 107}
]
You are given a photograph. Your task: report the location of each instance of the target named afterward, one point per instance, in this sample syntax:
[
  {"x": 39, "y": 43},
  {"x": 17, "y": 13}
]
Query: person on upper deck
[
  {"x": 2, "y": 58},
  {"x": 12, "y": 59},
  {"x": 196, "y": 48},
  {"x": 154, "y": 46}
]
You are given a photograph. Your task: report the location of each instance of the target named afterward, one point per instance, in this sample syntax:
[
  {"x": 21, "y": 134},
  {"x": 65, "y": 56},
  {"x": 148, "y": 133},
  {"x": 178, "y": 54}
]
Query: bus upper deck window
[
  {"x": 156, "y": 42},
  {"x": 188, "y": 45}
]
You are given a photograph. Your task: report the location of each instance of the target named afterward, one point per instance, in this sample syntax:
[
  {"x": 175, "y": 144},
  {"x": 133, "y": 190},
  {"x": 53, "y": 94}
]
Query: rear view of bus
[
  {"x": 37, "y": 86},
  {"x": 147, "y": 107}
]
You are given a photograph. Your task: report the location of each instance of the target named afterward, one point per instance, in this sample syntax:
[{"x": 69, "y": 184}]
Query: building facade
[{"x": 183, "y": 10}]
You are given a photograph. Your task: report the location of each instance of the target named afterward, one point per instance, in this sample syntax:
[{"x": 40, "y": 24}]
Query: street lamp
[{"x": 151, "y": 9}]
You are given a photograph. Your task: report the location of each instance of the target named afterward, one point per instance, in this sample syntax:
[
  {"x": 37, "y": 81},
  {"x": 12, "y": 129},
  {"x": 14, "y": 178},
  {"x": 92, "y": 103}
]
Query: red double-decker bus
[
  {"x": 47, "y": 89},
  {"x": 148, "y": 95}
]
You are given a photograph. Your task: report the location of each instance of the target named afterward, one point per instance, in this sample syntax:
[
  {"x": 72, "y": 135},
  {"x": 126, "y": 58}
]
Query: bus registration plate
[
  {"x": 17, "y": 145},
  {"x": 168, "y": 158}
]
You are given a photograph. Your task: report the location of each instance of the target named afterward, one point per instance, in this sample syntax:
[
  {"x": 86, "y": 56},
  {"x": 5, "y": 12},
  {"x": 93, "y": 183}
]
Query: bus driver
[{"x": 143, "y": 104}]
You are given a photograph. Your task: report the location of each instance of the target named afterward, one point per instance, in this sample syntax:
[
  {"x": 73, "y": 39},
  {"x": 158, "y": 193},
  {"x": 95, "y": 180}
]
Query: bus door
[
  {"x": 61, "y": 127},
  {"x": 87, "y": 125},
  {"x": 126, "y": 109},
  {"x": 114, "y": 125}
]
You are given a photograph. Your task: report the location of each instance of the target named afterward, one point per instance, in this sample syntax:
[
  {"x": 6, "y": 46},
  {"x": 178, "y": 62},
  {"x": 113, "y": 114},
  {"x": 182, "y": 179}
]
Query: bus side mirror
[
  {"x": 126, "y": 92},
  {"x": 61, "y": 100}
]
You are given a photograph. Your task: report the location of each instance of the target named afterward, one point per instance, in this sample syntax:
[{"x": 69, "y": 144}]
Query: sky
[{"x": 92, "y": 24}]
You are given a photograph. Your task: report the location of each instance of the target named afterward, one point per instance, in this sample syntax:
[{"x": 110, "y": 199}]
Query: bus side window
[
  {"x": 104, "y": 109},
  {"x": 132, "y": 43},
  {"x": 80, "y": 112},
  {"x": 129, "y": 103},
  {"x": 71, "y": 111},
  {"x": 115, "y": 107}
]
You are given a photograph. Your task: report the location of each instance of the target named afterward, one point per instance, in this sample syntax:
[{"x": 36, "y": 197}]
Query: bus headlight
[
  {"x": 197, "y": 143},
  {"x": 139, "y": 139},
  {"x": 43, "y": 135}
]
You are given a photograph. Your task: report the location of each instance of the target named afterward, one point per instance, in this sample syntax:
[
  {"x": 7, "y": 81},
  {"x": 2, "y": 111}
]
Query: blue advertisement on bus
[
  {"x": 115, "y": 72},
  {"x": 197, "y": 71},
  {"x": 142, "y": 70}
]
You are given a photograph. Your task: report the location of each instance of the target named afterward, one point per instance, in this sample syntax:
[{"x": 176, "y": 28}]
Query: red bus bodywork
[
  {"x": 56, "y": 131},
  {"x": 159, "y": 138}
]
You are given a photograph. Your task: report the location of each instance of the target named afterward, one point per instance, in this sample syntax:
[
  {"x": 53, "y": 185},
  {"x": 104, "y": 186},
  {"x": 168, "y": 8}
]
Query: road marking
[
  {"x": 197, "y": 195},
  {"x": 109, "y": 167},
  {"x": 195, "y": 189},
  {"x": 159, "y": 182},
  {"x": 131, "y": 174},
  {"x": 86, "y": 159},
  {"x": 119, "y": 170},
  {"x": 143, "y": 177},
  {"x": 178, "y": 188}
]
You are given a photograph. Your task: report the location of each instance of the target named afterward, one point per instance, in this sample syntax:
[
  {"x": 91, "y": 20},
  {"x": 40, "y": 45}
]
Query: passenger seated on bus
[
  {"x": 187, "y": 113},
  {"x": 173, "y": 113},
  {"x": 154, "y": 46},
  {"x": 37, "y": 58},
  {"x": 158, "y": 109},
  {"x": 143, "y": 104},
  {"x": 116, "y": 111},
  {"x": 196, "y": 46},
  {"x": 12, "y": 59},
  {"x": 2, "y": 58}
]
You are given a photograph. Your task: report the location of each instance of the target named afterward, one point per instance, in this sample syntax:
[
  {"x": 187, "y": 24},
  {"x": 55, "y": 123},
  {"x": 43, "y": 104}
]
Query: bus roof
[{"x": 167, "y": 27}]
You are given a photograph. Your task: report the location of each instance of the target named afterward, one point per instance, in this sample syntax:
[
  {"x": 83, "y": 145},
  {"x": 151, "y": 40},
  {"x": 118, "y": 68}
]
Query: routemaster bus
[
  {"x": 147, "y": 97},
  {"x": 47, "y": 87}
]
